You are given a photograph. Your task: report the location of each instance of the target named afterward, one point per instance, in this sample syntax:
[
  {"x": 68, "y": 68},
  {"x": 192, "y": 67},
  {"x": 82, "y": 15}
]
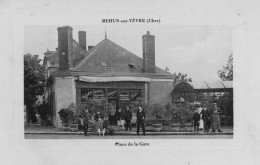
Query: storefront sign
[
  {"x": 124, "y": 96},
  {"x": 98, "y": 94},
  {"x": 112, "y": 93}
]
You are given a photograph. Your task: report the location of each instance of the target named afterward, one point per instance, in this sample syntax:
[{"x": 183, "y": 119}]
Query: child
[
  {"x": 106, "y": 126},
  {"x": 196, "y": 119}
]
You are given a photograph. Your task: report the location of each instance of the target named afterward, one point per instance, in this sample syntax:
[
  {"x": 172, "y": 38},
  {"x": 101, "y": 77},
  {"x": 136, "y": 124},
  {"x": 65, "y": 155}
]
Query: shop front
[{"x": 119, "y": 94}]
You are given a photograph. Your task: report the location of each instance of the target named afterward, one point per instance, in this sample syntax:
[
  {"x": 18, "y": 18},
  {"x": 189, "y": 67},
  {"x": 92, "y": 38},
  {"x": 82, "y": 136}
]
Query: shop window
[{"x": 95, "y": 94}]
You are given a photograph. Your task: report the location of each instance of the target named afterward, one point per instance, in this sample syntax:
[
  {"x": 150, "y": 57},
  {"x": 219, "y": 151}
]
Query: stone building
[{"x": 106, "y": 70}]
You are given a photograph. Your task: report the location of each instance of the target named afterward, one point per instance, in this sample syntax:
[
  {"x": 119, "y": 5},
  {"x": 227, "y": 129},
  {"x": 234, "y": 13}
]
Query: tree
[
  {"x": 179, "y": 78},
  {"x": 226, "y": 74},
  {"x": 34, "y": 83}
]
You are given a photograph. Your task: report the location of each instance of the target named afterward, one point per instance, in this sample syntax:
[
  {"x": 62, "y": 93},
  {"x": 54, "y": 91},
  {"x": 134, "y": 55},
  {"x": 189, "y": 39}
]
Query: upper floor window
[{"x": 103, "y": 65}]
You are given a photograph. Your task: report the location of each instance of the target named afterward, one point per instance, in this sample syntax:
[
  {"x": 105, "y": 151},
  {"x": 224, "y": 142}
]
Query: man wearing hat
[
  {"x": 140, "y": 120},
  {"x": 216, "y": 119}
]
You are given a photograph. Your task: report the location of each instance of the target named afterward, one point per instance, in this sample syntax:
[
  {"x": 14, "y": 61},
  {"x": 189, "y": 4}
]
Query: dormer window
[
  {"x": 132, "y": 66},
  {"x": 103, "y": 65}
]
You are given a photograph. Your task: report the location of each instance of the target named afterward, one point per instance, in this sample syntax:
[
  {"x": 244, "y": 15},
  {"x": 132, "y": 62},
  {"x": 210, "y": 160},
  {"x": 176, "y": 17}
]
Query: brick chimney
[
  {"x": 65, "y": 47},
  {"x": 82, "y": 39},
  {"x": 148, "y": 53}
]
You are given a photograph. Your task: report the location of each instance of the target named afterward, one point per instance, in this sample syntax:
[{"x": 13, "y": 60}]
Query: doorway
[{"x": 112, "y": 118}]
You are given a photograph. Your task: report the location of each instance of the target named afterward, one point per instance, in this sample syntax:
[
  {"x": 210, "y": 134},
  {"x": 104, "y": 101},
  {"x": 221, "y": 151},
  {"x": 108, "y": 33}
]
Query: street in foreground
[{"x": 53, "y": 136}]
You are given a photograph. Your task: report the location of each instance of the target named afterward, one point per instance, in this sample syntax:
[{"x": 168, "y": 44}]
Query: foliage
[
  {"x": 156, "y": 110},
  {"x": 64, "y": 115},
  {"x": 225, "y": 103},
  {"x": 177, "y": 78},
  {"x": 180, "y": 112},
  {"x": 139, "y": 102},
  {"x": 226, "y": 74},
  {"x": 34, "y": 81},
  {"x": 74, "y": 111},
  {"x": 94, "y": 106},
  {"x": 43, "y": 111},
  {"x": 108, "y": 108}
]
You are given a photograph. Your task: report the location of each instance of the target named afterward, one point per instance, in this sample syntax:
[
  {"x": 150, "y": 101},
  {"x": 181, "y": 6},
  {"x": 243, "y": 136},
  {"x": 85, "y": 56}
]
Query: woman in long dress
[{"x": 201, "y": 120}]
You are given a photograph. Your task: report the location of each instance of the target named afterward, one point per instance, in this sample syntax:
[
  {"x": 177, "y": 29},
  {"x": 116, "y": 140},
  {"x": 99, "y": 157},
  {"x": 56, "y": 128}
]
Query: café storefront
[{"x": 119, "y": 94}]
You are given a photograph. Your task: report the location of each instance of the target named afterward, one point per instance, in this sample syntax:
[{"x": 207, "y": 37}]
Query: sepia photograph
[{"x": 128, "y": 82}]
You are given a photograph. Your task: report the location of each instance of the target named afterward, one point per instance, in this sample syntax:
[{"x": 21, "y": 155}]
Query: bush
[
  {"x": 64, "y": 115},
  {"x": 180, "y": 112},
  {"x": 43, "y": 111},
  {"x": 139, "y": 102},
  {"x": 72, "y": 113},
  {"x": 94, "y": 106},
  {"x": 156, "y": 110}
]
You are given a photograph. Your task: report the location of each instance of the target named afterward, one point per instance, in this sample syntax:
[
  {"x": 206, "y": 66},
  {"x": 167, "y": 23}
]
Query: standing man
[
  {"x": 205, "y": 118},
  {"x": 128, "y": 118},
  {"x": 140, "y": 120},
  {"x": 216, "y": 119},
  {"x": 196, "y": 119},
  {"x": 85, "y": 121},
  {"x": 120, "y": 118}
]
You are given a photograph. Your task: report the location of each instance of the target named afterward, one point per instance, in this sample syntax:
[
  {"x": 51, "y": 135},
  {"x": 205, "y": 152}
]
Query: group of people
[
  {"x": 124, "y": 119},
  {"x": 204, "y": 119},
  {"x": 102, "y": 124}
]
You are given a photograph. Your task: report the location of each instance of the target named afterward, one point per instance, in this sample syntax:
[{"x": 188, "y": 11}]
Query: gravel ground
[{"x": 44, "y": 136}]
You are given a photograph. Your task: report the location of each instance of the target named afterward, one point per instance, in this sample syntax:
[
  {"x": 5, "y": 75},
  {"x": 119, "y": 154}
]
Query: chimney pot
[
  {"x": 82, "y": 39},
  {"x": 148, "y": 53},
  {"x": 65, "y": 47}
]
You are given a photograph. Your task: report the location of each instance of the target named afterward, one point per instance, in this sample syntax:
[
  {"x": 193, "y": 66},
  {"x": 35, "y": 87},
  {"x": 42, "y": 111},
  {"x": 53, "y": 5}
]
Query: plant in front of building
[
  {"x": 107, "y": 108},
  {"x": 91, "y": 104},
  {"x": 180, "y": 77},
  {"x": 70, "y": 116},
  {"x": 181, "y": 115},
  {"x": 34, "y": 83},
  {"x": 75, "y": 111},
  {"x": 158, "y": 112},
  {"x": 64, "y": 116},
  {"x": 44, "y": 111},
  {"x": 139, "y": 102}
]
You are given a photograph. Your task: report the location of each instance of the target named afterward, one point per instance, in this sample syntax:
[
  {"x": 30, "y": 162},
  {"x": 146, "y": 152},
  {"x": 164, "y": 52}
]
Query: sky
[{"x": 198, "y": 51}]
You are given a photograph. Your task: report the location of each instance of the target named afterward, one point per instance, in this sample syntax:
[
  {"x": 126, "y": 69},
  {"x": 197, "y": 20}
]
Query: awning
[{"x": 113, "y": 79}]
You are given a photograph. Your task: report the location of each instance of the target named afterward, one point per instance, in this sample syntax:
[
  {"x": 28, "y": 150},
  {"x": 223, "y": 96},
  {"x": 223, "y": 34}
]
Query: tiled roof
[
  {"x": 106, "y": 58},
  {"x": 53, "y": 56},
  {"x": 116, "y": 58}
]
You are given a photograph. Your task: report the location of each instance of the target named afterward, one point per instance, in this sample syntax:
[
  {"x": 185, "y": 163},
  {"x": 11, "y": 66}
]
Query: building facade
[{"x": 76, "y": 71}]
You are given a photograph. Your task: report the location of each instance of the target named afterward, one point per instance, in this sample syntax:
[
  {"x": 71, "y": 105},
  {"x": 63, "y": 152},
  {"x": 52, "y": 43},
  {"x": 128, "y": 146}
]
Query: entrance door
[{"x": 112, "y": 118}]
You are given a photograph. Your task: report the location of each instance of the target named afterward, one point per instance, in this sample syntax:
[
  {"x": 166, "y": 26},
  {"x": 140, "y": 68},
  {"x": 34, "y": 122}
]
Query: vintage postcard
[{"x": 130, "y": 82}]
